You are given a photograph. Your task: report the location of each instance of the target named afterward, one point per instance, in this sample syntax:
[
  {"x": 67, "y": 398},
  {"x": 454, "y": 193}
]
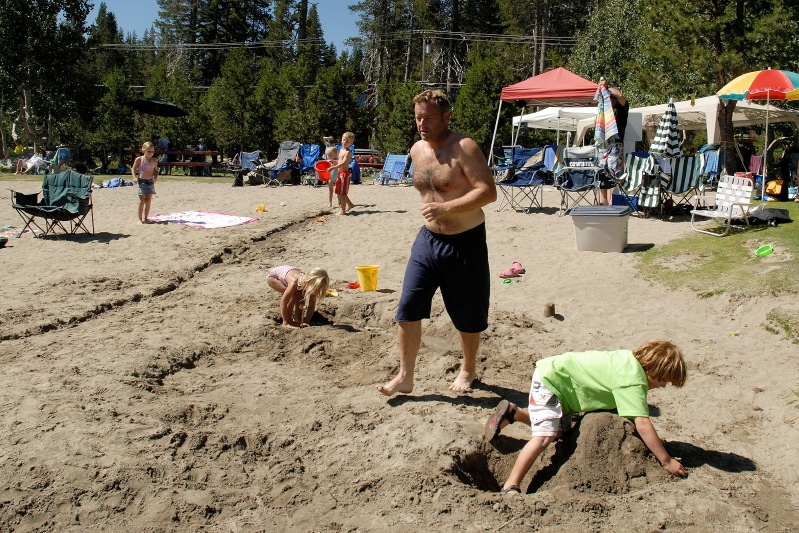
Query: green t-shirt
[{"x": 588, "y": 381}]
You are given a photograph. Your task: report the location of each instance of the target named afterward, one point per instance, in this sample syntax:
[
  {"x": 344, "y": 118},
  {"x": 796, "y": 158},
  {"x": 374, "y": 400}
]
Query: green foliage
[
  {"x": 113, "y": 129},
  {"x": 395, "y": 129},
  {"x": 474, "y": 110},
  {"x": 227, "y": 103},
  {"x": 607, "y": 47}
]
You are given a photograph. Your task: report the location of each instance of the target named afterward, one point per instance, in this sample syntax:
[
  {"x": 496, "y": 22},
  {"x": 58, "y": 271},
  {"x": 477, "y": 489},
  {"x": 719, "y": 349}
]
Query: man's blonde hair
[
  {"x": 436, "y": 97},
  {"x": 314, "y": 282},
  {"x": 663, "y": 361}
]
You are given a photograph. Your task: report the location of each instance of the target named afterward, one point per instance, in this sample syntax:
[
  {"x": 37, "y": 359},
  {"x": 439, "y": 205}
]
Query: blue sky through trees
[{"x": 338, "y": 23}]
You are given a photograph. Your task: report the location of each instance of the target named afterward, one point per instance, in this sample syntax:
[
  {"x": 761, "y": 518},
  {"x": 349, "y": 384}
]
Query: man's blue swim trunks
[{"x": 458, "y": 264}]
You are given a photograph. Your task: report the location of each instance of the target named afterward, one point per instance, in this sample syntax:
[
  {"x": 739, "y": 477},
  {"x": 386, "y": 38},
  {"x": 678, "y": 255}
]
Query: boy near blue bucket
[{"x": 589, "y": 381}]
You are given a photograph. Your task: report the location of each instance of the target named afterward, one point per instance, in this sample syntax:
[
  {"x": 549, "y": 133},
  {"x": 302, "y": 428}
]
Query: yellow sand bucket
[{"x": 367, "y": 277}]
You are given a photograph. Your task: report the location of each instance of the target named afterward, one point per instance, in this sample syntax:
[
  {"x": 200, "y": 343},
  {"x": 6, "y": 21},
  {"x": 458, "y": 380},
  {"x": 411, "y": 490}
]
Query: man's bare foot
[
  {"x": 463, "y": 382},
  {"x": 396, "y": 385}
]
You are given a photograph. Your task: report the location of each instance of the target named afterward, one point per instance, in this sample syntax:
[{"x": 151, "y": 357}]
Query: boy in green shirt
[{"x": 588, "y": 381}]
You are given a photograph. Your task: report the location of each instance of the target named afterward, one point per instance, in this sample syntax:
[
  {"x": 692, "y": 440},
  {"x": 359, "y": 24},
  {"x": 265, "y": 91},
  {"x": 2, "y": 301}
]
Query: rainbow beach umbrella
[{"x": 763, "y": 85}]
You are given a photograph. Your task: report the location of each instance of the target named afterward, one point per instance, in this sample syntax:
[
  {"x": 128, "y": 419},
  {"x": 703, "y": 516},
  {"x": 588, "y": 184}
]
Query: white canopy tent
[
  {"x": 702, "y": 115},
  {"x": 555, "y": 118}
]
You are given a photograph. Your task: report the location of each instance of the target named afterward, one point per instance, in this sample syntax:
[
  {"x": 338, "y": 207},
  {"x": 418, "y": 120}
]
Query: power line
[{"x": 401, "y": 35}]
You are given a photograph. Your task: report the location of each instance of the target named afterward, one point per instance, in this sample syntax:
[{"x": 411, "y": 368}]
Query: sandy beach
[{"x": 147, "y": 385}]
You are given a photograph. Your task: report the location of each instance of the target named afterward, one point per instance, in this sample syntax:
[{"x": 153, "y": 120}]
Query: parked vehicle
[{"x": 369, "y": 161}]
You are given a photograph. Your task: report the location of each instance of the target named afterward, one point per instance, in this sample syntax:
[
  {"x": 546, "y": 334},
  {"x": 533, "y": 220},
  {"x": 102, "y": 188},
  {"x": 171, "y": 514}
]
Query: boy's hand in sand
[{"x": 675, "y": 468}]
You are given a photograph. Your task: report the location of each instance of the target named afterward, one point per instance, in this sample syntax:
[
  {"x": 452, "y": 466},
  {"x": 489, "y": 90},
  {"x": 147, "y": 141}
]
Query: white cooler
[{"x": 600, "y": 228}]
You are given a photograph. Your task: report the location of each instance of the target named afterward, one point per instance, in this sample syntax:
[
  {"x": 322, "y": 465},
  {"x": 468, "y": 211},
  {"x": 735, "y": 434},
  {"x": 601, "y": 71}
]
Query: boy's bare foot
[
  {"x": 462, "y": 382},
  {"x": 398, "y": 384}
]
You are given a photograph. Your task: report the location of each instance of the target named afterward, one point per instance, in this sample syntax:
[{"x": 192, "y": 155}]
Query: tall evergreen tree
[{"x": 227, "y": 102}]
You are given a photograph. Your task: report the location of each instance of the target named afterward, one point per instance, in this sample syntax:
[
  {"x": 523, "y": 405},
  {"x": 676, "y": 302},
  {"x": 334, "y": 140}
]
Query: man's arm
[
  {"x": 619, "y": 97},
  {"x": 650, "y": 437}
]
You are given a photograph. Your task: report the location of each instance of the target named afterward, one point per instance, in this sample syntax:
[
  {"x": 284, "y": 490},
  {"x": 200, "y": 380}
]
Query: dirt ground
[{"x": 147, "y": 386}]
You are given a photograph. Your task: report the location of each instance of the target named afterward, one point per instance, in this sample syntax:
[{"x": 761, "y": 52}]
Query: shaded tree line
[{"x": 253, "y": 73}]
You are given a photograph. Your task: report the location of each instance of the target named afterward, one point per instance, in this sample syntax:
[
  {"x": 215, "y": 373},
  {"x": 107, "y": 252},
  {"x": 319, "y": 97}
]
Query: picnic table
[{"x": 191, "y": 159}]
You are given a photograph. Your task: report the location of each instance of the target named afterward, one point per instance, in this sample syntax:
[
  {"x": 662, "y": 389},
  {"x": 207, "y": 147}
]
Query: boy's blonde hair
[
  {"x": 314, "y": 282},
  {"x": 348, "y": 136},
  {"x": 663, "y": 361},
  {"x": 331, "y": 152}
]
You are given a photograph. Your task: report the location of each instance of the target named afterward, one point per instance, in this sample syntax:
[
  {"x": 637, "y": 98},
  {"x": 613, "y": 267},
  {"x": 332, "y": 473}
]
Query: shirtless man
[{"x": 450, "y": 251}]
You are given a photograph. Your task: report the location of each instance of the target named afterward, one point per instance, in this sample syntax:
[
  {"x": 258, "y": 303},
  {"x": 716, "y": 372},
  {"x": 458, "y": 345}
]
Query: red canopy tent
[{"x": 556, "y": 87}]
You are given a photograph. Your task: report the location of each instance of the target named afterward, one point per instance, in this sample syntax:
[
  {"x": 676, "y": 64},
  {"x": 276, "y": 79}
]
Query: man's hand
[{"x": 432, "y": 211}]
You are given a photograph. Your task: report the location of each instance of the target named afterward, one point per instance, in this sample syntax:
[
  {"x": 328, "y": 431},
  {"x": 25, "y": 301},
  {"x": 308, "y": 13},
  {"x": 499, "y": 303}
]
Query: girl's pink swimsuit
[{"x": 279, "y": 273}]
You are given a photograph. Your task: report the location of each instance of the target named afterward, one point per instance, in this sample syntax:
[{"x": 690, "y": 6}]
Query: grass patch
[
  {"x": 717, "y": 265},
  {"x": 784, "y": 322},
  {"x": 712, "y": 266}
]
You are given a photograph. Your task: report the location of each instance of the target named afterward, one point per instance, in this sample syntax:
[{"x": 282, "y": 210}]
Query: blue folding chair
[
  {"x": 243, "y": 163},
  {"x": 578, "y": 177},
  {"x": 523, "y": 189},
  {"x": 384, "y": 176}
]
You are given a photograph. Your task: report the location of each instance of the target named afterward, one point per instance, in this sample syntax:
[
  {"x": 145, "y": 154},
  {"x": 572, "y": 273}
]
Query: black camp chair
[
  {"x": 66, "y": 198},
  {"x": 287, "y": 165}
]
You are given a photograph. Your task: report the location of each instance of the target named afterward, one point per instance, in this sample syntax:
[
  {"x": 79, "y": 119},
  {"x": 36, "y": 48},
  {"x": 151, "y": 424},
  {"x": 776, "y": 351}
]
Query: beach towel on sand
[{"x": 202, "y": 219}]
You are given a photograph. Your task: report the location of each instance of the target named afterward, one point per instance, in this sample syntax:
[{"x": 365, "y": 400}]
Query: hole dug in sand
[{"x": 600, "y": 455}]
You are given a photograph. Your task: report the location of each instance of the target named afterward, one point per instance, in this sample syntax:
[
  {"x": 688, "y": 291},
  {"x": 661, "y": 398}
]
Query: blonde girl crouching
[{"x": 301, "y": 292}]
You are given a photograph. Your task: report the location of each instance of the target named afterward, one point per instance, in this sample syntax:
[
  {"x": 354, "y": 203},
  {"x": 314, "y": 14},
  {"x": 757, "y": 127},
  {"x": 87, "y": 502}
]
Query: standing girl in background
[
  {"x": 332, "y": 155},
  {"x": 147, "y": 168},
  {"x": 300, "y": 291}
]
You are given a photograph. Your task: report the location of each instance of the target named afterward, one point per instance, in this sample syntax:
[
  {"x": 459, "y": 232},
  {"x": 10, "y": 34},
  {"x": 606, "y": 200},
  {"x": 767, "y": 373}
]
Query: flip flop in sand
[
  {"x": 503, "y": 411},
  {"x": 509, "y": 273},
  {"x": 517, "y": 266},
  {"x": 512, "y": 489}
]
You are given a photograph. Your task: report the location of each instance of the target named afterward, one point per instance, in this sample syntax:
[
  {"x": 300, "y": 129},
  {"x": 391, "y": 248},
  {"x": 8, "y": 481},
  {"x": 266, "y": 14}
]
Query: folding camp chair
[
  {"x": 503, "y": 163},
  {"x": 652, "y": 194},
  {"x": 384, "y": 176},
  {"x": 732, "y": 200},
  {"x": 66, "y": 197},
  {"x": 578, "y": 177},
  {"x": 243, "y": 163},
  {"x": 523, "y": 189},
  {"x": 709, "y": 165},
  {"x": 684, "y": 183},
  {"x": 309, "y": 155},
  {"x": 286, "y": 167},
  {"x": 636, "y": 164}
]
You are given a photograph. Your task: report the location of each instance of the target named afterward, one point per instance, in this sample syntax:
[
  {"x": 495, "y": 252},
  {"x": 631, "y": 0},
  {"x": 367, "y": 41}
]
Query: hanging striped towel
[{"x": 605, "y": 119}]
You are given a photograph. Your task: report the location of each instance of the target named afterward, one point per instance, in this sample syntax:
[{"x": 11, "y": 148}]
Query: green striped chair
[
  {"x": 685, "y": 182},
  {"x": 651, "y": 195},
  {"x": 636, "y": 164}
]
